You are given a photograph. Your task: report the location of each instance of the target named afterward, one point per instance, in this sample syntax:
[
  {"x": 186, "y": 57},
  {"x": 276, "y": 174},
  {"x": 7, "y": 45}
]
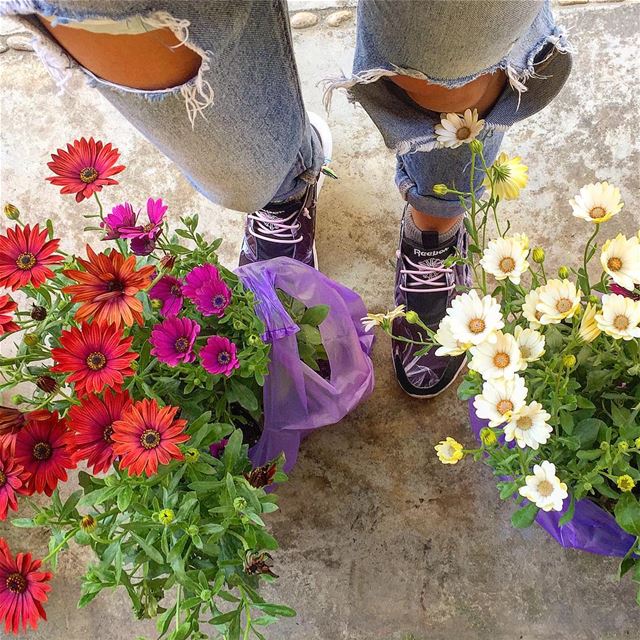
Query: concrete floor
[{"x": 379, "y": 540}]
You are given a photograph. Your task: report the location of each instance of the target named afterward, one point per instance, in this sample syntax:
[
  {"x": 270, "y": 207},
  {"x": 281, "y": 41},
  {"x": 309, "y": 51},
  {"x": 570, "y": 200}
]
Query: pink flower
[
  {"x": 173, "y": 340},
  {"x": 218, "y": 356},
  {"x": 197, "y": 278},
  {"x": 143, "y": 237},
  {"x": 217, "y": 448},
  {"x": 169, "y": 290},
  {"x": 122, "y": 216},
  {"x": 621, "y": 291},
  {"x": 213, "y": 298}
]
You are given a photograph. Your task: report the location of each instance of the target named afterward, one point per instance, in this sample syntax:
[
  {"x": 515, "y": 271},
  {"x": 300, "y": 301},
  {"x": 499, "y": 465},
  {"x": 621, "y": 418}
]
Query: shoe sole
[
  {"x": 324, "y": 133},
  {"x": 432, "y": 395}
]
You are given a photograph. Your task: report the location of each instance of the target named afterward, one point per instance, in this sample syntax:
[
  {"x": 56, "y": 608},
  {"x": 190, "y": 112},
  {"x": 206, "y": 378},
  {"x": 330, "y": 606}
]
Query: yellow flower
[
  {"x": 372, "y": 320},
  {"x": 488, "y": 437},
  {"x": 449, "y": 451},
  {"x": 597, "y": 202},
  {"x": 569, "y": 361},
  {"x": 538, "y": 255},
  {"x": 589, "y": 330},
  {"x": 625, "y": 483},
  {"x": 166, "y": 516},
  {"x": 509, "y": 177}
]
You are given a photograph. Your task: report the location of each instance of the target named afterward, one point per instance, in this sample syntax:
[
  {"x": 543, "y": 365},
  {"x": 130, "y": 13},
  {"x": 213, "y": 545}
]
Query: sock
[
  {"x": 413, "y": 233},
  {"x": 284, "y": 209}
]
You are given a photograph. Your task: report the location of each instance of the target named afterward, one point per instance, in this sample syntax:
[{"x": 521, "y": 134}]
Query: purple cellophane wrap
[
  {"x": 591, "y": 529},
  {"x": 296, "y": 398}
]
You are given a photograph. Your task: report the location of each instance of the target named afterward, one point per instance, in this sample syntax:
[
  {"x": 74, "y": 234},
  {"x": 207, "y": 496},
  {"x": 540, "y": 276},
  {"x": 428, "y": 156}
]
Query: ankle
[{"x": 415, "y": 223}]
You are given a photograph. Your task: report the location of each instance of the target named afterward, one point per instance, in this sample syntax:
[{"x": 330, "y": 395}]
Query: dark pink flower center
[
  {"x": 107, "y": 433},
  {"x": 149, "y": 227},
  {"x": 150, "y": 439},
  {"x": 115, "y": 285},
  {"x": 3, "y": 478},
  {"x": 181, "y": 345},
  {"x": 176, "y": 291},
  {"x": 42, "y": 450},
  {"x": 26, "y": 261},
  {"x": 96, "y": 361},
  {"x": 219, "y": 300},
  {"x": 16, "y": 583},
  {"x": 224, "y": 357},
  {"x": 88, "y": 175}
]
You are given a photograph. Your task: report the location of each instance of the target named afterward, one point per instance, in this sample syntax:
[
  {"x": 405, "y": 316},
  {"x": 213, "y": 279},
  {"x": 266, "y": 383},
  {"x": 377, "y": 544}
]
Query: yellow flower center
[
  {"x": 477, "y": 325},
  {"x": 507, "y": 265},
  {"x": 501, "y": 360},
  {"x": 88, "y": 175},
  {"x": 26, "y": 261},
  {"x": 463, "y": 133},
  {"x": 545, "y": 488},
  {"x": 597, "y": 212},
  {"x": 150, "y": 439},
  {"x": 525, "y": 352},
  {"x": 563, "y": 305},
  {"x": 96, "y": 361},
  {"x": 504, "y": 405},
  {"x": 525, "y": 423},
  {"x": 16, "y": 583},
  {"x": 621, "y": 322},
  {"x": 615, "y": 264},
  {"x": 42, "y": 451},
  {"x": 538, "y": 315}
]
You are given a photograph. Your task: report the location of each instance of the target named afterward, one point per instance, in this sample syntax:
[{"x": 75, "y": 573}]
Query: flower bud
[
  {"x": 193, "y": 530},
  {"x": 488, "y": 437},
  {"x": 40, "y": 519},
  {"x": 31, "y": 339},
  {"x": 239, "y": 504},
  {"x": 168, "y": 262},
  {"x": 637, "y": 443},
  {"x": 625, "y": 483},
  {"x": 206, "y": 595},
  {"x": 563, "y": 272},
  {"x": 412, "y": 317},
  {"x": 587, "y": 486},
  {"x": 538, "y": 255},
  {"x": 440, "y": 189},
  {"x": 47, "y": 384},
  {"x": 38, "y": 313},
  {"x": 88, "y": 524},
  {"x": 111, "y": 481},
  {"x": 569, "y": 361},
  {"x": 476, "y": 146},
  {"x": 17, "y": 399},
  {"x": 156, "y": 303},
  {"x": 166, "y": 516},
  {"x": 623, "y": 446},
  {"x": 238, "y": 325},
  {"x": 604, "y": 445},
  {"x": 11, "y": 211},
  {"x": 254, "y": 340},
  {"x": 594, "y": 299},
  {"x": 191, "y": 455}
]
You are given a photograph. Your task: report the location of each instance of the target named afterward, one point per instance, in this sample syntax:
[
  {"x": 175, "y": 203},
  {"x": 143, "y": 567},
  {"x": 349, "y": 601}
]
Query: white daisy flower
[
  {"x": 449, "y": 346},
  {"x": 372, "y": 320},
  {"x": 620, "y": 258},
  {"x": 528, "y": 426},
  {"x": 506, "y": 258},
  {"x": 620, "y": 317},
  {"x": 499, "y": 399},
  {"x": 589, "y": 329},
  {"x": 455, "y": 130},
  {"x": 544, "y": 488},
  {"x": 474, "y": 319},
  {"x": 597, "y": 202},
  {"x": 499, "y": 359},
  {"x": 530, "y": 343},
  {"x": 559, "y": 300},
  {"x": 530, "y": 308}
]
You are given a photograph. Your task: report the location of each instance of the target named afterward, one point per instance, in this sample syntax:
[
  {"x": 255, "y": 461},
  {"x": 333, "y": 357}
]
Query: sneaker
[
  {"x": 289, "y": 228},
  {"x": 426, "y": 286}
]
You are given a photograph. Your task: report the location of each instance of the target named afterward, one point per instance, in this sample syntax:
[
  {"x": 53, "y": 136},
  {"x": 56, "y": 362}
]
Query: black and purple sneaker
[
  {"x": 288, "y": 229},
  {"x": 426, "y": 286}
]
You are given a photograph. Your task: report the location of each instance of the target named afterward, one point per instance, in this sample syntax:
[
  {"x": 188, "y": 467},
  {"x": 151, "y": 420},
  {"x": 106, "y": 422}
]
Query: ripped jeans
[{"x": 239, "y": 129}]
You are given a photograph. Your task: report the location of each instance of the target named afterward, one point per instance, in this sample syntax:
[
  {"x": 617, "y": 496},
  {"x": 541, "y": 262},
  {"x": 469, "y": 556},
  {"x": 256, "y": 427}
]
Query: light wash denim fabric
[{"x": 239, "y": 129}]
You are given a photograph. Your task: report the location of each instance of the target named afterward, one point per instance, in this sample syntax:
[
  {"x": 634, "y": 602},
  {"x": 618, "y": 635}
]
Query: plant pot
[{"x": 591, "y": 529}]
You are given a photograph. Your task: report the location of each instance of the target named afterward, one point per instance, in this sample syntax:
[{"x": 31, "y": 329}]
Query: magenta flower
[
  {"x": 169, "y": 290},
  {"x": 218, "y": 356},
  {"x": 621, "y": 291},
  {"x": 197, "y": 278},
  {"x": 217, "y": 448},
  {"x": 121, "y": 216},
  {"x": 213, "y": 298},
  {"x": 173, "y": 340},
  {"x": 150, "y": 231}
]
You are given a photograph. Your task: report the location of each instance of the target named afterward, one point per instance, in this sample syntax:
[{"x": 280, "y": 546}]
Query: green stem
[
  {"x": 100, "y": 210},
  {"x": 64, "y": 541},
  {"x": 585, "y": 259}
]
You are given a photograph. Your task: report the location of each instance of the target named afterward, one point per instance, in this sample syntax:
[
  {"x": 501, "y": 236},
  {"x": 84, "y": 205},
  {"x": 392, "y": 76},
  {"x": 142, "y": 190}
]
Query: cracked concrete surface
[{"x": 378, "y": 539}]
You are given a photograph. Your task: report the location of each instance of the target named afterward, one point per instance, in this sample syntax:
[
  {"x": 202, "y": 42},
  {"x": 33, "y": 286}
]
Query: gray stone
[
  {"x": 379, "y": 540},
  {"x": 303, "y": 20},
  {"x": 3, "y": 47},
  {"x": 20, "y": 42},
  {"x": 9, "y": 25},
  {"x": 338, "y": 18}
]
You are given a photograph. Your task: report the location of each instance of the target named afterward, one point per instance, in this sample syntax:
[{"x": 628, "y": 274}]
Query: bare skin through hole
[{"x": 148, "y": 61}]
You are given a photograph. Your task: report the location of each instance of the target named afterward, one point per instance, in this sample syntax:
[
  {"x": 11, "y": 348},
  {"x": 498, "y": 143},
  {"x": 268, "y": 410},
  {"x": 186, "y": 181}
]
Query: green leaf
[
  {"x": 223, "y": 618},
  {"x": 525, "y": 517},
  {"x": 23, "y": 523},
  {"x": 315, "y": 315},
  {"x": 568, "y": 516},
  {"x": 587, "y": 431},
  {"x": 151, "y": 552},
  {"x": 310, "y": 335},
  {"x": 125, "y": 495},
  {"x": 566, "y": 422},
  {"x": 70, "y": 504},
  {"x": 627, "y": 512},
  {"x": 86, "y": 599},
  {"x": 276, "y": 609}
]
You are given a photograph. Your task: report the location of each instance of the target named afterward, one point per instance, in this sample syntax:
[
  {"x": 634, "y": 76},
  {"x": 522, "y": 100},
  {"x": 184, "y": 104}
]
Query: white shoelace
[
  {"x": 266, "y": 226},
  {"x": 421, "y": 278}
]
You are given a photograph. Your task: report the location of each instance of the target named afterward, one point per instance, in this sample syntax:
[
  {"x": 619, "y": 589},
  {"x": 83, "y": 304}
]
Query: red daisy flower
[
  {"x": 23, "y": 589},
  {"x": 107, "y": 289},
  {"x": 96, "y": 355},
  {"x": 84, "y": 168},
  {"x": 42, "y": 448},
  {"x": 24, "y": 256},
  {"x": 7, "y": 307},
  {"x": 11, "y": 423},
  {"x": 92, "y": 421},
  {"x": 12, "y": 480},
  {"x": 148, "y": 435}
]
